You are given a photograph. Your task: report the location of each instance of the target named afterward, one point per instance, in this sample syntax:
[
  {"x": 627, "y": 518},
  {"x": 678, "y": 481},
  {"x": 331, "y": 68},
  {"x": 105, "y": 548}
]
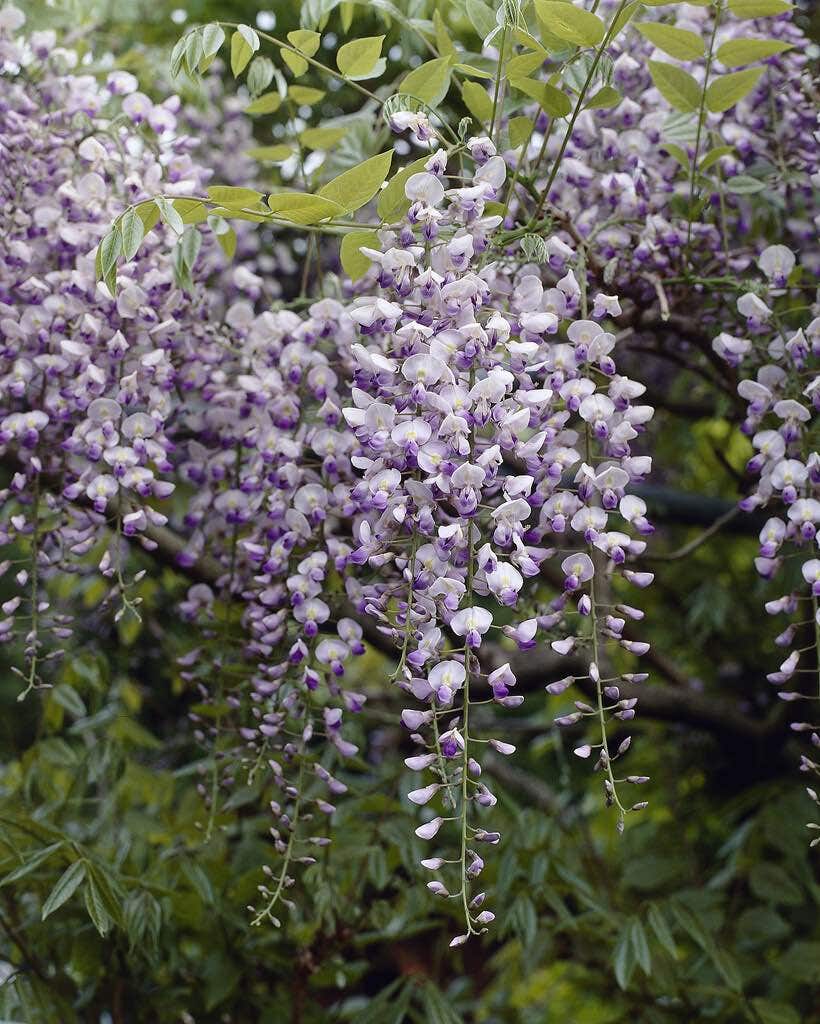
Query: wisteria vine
[{"x": 434, "y": 453}]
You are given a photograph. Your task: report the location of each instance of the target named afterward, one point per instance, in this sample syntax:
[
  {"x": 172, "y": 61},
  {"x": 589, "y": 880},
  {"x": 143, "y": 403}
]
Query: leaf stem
[
  {"x": 610, "y": 32},
  {"x": 701, "y": 112},
  {"x": 314, "y": 63},
  {"x": 498, "y": 76}
]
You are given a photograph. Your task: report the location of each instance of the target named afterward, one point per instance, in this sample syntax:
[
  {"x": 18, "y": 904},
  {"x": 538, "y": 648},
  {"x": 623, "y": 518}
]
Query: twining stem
[
  {"x": 610, "y": 32},
  {"x": 35, "y": 582},
  {"x": 815, "y": 606},
  {"x": 498, "y": 73},
  {"x": 593, "y": 616},
  {"x": 408, "y": 626},
  {"x": 599, "y": 690},
  {"x": 701, "y": 114},
  {"x": 441, "y": 766},
  {"x": 466, "y": 702},
  {"x": 267, "y": 910},
  {"x": 466, "y": 735}
]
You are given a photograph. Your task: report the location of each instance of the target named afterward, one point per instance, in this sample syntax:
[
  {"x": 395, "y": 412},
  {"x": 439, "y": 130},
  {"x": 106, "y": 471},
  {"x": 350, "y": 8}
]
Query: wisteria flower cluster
[
  {"x": 781, "y": 386},
  {"x": 87, "y": 380}
]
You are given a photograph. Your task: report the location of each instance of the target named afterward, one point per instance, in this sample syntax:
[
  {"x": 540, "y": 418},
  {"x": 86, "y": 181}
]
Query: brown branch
[
  {"x": 696, "y": 542},
  {"x": 169, "y": 544},
  {"x": 680, "y": 703}
]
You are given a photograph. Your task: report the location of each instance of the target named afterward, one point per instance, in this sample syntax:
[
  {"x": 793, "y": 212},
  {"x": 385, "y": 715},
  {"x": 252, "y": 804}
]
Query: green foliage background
[{"x": 706, "y": 909}]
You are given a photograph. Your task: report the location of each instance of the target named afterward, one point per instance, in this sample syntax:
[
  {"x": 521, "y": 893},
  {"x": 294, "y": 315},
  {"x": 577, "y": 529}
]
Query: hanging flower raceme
[
  {"x": 87, "y": 381},
  {"x": 781, "y": 384},
  {"x": 488, "y": 429}
]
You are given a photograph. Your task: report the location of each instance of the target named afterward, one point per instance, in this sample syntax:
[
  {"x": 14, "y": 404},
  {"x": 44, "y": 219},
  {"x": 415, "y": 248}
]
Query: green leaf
[
  {"x": 726, "y": 91},
  {"x": 230, "y": 195},
  {"x": 570, "y": 23},
  {"x": 108, "y": 888},
  {"x": 222, "y": 978},
  {"x": 606, "y": 97},
  {"x": 583, "y": 68},
  {"x": 64, "y": 889},
  {"x": 212, "y": 38},
  {"x": 677, "y": 42},
  {"x": 199, "y": 880},
  {"x": 523, "y": 64},
  {"x": 33, "y": 862},
  {"x": 148, "y": 213},
  {"x": 773, "y": 884},
  {"x": 192, "y": 211},
  {"x": 745, "y": 185},
  {"x": 477, "y": 101},
  {"x": 305, "y": 41},
  {"x": 244, "y": 44},
  {"x": 471, "y": 72},
  {"x": 193, "y": 52},
  {"x": 799, "y": 962},
  {"x": 550, "y": 99},
  {"x": 108, "y": 252},
  {"x": 737, "y": 52},
  {"x": 437, "y": 1008},
  {"x": 525, "y": 919},
  {"x": 727, "y": 968},
  {"x": 267, "y": 104},
  {"x": 392, "y": 202},
  {"x": 693, "y": 927},
  {"x": 354, "y": 263},
  {"x": 225, "y": 235},
  {"x": 178, "y": 55},
  {"x": 355, "y": 187},
  {"x": 271, "y": 154},
  {"x": 65, "y": 694},
  {"x": 444, "y": 44},
  {"x": 623, "y": 959},
  {"x": 637, "y": 937},
  {"x": 681, "y": 128},
  {"x": 304, "y": 94},
  {"x": 359, "y": 59},
  {"x": 429, "y": 82},
  {"x": 771, "y": 1012},
  {"x": 96, "y": 909},
  {"x": 142, "y": 919},
  {"x": 520, "y": 129},
  {"x": 678, "y": 87},
  {"x": 169, "y": 215},
  {"x": 322, "y": 138},
  {"x": 133, "y": 231},
  {"x": 302, "y": 208},
  {"x": 260, "y": 75},
  {"x": 295, "y": 61},
  {"x": 31, "y": 826},
  {"x": 189, "y": 246},
  {"x": 758, "y": 8},
  {"x": 482, "y": 18},
  {"x": 711, "y": 158},
  {"x": 182, "y": 277},
  {"x": 658, "y": 924},
  {"x": 761, "y": 926},
  {"x": 624, "y": 17}
]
